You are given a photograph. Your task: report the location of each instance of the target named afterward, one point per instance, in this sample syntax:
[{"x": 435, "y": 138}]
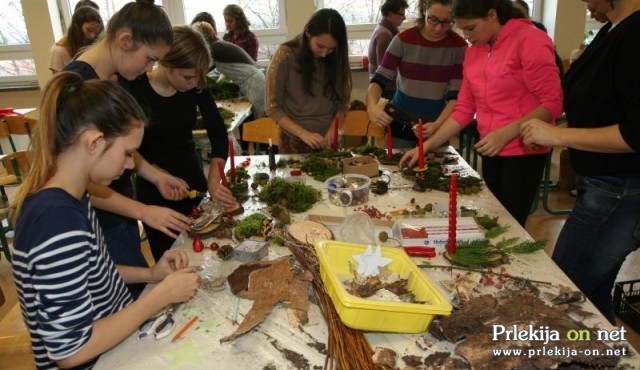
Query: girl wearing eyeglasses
[
  {"x": 510, "y": 77},
  {"x": 426, "y": 63}
]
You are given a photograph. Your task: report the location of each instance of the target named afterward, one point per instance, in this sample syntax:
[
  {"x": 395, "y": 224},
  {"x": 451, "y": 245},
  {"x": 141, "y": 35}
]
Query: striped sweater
[
  {"x": 64, "y": 276},
  {"x": 427, "y": 74}
]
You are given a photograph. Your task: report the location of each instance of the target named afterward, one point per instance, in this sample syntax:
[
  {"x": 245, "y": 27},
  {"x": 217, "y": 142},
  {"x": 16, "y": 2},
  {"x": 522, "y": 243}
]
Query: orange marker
[{"x": 184, "y": 328}]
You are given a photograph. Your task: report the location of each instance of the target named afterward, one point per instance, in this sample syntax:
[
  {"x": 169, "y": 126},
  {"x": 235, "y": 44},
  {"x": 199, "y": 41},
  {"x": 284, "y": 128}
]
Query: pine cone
[{"x": 225, "y": 252}]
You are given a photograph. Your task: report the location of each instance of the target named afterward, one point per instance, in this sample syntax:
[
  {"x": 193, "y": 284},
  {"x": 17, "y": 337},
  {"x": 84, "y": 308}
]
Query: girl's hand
[
  {"x": 170, "y": 261},
  {"x": 165, "y": 219},
  {"x": 409, "y": 158},
  {"x": 222, "y": 194},
  {"x": 180, "y": 285},
  {"x": 314, "y": 140},
  {"x": 492, "y": 144},
  {"x": 428, "y": 129},
  {"x": 379, "y": 116},
  {"x": 172, "y": 188}
]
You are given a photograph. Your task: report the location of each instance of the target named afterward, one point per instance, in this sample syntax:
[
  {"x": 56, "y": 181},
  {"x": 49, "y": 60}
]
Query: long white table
[{"x": 201, "y": 347}]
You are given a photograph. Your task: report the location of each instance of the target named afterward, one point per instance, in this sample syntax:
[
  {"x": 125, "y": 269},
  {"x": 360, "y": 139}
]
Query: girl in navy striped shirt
[{"x": 71, "y": 293}]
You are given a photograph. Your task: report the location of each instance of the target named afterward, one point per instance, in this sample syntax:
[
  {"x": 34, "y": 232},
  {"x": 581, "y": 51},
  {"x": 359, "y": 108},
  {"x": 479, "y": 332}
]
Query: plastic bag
[{"x": 357, "y": 228}]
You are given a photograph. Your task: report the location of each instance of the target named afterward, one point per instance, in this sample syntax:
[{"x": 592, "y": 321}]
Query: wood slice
[
  {"x": 308, "y": 231},
  {"x": 206, "y": 232}
]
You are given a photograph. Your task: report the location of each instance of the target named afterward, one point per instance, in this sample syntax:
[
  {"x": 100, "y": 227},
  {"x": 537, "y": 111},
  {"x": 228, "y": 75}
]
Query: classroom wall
[{"x": 565, "y": 20}]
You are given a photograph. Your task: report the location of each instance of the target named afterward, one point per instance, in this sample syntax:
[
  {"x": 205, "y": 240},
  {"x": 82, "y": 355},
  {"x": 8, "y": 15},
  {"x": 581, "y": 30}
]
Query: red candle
[
  {"x": 453, "y": 208},
  {"x": 420, "y": 146},
  {"x": 233, "y": 161},
  {"x": 389, "y": 142},
  {"x": 223, "y": 177},
  {"x": 335, "y": 133}
]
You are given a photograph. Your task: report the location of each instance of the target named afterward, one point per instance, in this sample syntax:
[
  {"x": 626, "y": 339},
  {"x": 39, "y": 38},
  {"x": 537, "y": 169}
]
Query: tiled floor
[{"x": 540, "y": 225}]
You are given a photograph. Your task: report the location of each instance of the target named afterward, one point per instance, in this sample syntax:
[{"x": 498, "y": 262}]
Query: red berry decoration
[
  {"x": 214, "y": 246},
  {"x": 195, "y": 212},
  {"x": 296, "y": 173},
  {"x": 198, "y": 245}
]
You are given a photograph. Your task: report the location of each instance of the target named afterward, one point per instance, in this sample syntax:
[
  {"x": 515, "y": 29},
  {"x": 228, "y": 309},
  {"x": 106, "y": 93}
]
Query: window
[
  {"x": 16, "y": 61},
  {"x": 361, "y": 18},
  {"x": 267, "y": 18},
  {"x": 107, "y": 8}
]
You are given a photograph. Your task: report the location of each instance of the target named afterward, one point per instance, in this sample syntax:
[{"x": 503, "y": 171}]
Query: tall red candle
[
  {"x": 453, "y": 209},
  {"x": 223, "y": 177},
  {"x": 335, "y": 133},
  {"x": 233, "y": 161},
  {"x": 420, "y": 146},
  {"x": 389, "y": 142}
]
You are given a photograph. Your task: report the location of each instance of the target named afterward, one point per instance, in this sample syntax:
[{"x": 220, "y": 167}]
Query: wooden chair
[
  {"x": 16, "y": 164},
  {"x": 357, "y": 123},
  {"x": 260, "y": 131},
  {"x": 20, "y": 129},
  {"x": 15, "y": 343},
  {"x": 21, "y": 125}
]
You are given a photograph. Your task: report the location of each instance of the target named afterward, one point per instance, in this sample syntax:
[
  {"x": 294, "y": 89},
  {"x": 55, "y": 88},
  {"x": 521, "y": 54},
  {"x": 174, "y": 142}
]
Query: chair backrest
[
  {"x": 357, "y": 123},
  {"x": 20, "y": 125},
  {"x": 16, "y": 164},
  {"x": 5, "y": 134},
  {"x": 260, "y": 131}
]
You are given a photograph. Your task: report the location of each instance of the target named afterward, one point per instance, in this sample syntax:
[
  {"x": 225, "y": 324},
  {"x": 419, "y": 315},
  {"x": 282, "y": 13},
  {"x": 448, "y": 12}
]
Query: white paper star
[{"x": 369, "y": 262}]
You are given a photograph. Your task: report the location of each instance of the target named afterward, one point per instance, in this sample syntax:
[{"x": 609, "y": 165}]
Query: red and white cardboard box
[{"x": 434, "y": 232}]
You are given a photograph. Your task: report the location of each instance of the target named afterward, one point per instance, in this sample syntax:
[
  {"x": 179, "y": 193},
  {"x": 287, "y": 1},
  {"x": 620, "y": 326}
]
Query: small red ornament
[
  {"x": 245, "y": 163},
  {"x": 214, "y": 246},
  {"x": 296, "y": 173},
  {"x": 198, "y": 246},
  {"x": 195, "y": 212}
]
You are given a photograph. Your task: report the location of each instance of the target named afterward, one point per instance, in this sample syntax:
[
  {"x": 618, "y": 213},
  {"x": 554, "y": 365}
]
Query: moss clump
[
  {"x": 251, "y": 225},
  {"x": 294, "y": 196}
]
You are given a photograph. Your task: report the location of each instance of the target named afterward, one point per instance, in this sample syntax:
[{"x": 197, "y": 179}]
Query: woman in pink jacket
[{"x": 509, "y": 77}]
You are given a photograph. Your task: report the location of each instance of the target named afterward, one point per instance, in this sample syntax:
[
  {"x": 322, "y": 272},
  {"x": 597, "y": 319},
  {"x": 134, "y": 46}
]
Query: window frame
[
  {"x": 265, "y": 36},
  {"x": 17, "y": 52}
]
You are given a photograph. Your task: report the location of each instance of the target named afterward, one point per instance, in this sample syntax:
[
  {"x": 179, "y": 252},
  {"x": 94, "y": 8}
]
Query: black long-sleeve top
[
  {"x": 602, "y": 88},
  {"x": 168, "y": 139}
]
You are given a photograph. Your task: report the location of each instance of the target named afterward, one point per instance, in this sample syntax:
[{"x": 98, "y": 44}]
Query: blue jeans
[
  {"x": 123, "y": 244},
  {"x": 602, "y": 230}
]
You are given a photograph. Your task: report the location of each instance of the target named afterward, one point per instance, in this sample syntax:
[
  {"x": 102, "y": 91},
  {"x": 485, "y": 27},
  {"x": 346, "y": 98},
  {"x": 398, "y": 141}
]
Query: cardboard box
[
  {"x": 434, "y": 232},
  {"x": 361, "y": 165}
]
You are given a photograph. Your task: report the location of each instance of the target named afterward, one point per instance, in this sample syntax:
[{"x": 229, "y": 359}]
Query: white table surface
[{"x": 201, "y": 347}]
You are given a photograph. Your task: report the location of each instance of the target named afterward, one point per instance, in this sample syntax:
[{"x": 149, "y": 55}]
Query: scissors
[{"x": 160, "y": 326}]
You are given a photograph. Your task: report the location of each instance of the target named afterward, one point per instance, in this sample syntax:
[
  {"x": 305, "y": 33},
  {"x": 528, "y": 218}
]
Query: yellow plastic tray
[{"x": 367, "y": 314}]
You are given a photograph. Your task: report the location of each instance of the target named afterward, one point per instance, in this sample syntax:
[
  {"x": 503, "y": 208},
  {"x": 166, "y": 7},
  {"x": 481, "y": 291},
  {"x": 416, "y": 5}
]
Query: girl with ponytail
[{"x": 71, "y": 293}]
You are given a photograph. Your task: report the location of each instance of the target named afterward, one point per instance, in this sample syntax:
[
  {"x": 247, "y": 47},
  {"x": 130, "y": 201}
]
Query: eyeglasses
[
  {"x": 435, "y": 21},
  {"x": 401, "y": 14}
]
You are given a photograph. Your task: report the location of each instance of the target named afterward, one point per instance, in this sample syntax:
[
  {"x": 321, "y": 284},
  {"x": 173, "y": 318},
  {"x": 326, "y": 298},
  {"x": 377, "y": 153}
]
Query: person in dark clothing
[
  {"x": 136, "y": 36},
  {"x": 171, "y": 95},
  {"x": 602, "y": 104}
]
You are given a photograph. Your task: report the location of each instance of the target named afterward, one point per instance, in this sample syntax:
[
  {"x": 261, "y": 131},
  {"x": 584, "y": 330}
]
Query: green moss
[
  {"x": 294, "y": 196},
  {"x": 251, "y": 225}
]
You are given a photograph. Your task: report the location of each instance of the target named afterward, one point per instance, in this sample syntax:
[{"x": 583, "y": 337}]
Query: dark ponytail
[
  {"x": 148, "y": 23},
  {"x": 469, "y": 9}
]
